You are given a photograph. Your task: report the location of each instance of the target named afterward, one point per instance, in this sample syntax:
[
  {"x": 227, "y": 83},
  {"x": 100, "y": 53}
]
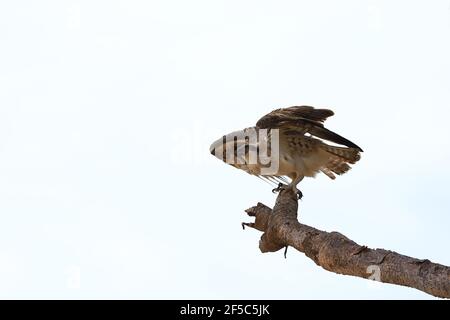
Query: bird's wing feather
[
  {"x": 291, "y": 115},
  {"x": 303, "y": 119}
]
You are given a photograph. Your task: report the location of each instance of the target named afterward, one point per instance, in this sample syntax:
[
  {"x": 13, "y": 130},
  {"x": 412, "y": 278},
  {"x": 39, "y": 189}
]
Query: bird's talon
[
  {"x": 279, "y": 188},
  {"x": 299, "y": 195}
]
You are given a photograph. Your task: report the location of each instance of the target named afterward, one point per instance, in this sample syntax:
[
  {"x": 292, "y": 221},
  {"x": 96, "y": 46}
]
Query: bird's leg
[
  {"x": 289, "y": 186},
  {"x": 293, "y": 186}
]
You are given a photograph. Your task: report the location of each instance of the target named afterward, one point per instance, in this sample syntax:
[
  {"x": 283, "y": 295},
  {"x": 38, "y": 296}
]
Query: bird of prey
[{"x": 295, "y": 138}]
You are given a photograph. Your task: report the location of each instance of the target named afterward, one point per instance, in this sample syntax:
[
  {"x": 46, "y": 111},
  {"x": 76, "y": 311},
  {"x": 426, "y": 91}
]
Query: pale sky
[{"x": 107, "y": 110}]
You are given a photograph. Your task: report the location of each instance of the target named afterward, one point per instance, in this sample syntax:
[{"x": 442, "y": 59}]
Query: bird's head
[
  {"x": 235, "y": 148},
  {"x": 241, "y": 149}
]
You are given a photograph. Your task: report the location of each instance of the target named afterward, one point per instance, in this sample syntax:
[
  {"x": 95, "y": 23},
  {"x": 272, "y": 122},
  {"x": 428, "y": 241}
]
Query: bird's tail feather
[
  {"x": 350, "y": 155},
  {"x": 328, "y": 172}
]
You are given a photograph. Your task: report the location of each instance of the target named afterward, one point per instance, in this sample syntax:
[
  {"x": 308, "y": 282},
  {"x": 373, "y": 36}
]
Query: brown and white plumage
[{"x": 303, "y": 151}]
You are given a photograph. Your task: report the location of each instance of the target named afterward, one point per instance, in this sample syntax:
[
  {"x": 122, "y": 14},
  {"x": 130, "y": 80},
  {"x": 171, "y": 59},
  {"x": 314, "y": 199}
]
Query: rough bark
[{"x": 336, "y": 253}]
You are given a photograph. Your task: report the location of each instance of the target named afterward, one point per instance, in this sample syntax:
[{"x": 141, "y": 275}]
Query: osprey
[{"x": 288, "y": 143}]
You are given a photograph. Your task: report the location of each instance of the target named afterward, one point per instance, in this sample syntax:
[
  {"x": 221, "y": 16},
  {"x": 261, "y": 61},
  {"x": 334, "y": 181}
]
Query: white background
[{"x": 107, "y": 110}]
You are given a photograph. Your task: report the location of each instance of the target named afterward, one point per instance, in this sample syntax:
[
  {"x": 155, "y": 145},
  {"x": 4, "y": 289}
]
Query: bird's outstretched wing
[{"x": 301, "y": 120}]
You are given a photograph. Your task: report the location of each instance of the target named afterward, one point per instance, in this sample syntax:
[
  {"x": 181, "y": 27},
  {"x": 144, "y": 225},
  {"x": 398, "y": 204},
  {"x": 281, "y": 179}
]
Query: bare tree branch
[{"x": 336, "y": 253}]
